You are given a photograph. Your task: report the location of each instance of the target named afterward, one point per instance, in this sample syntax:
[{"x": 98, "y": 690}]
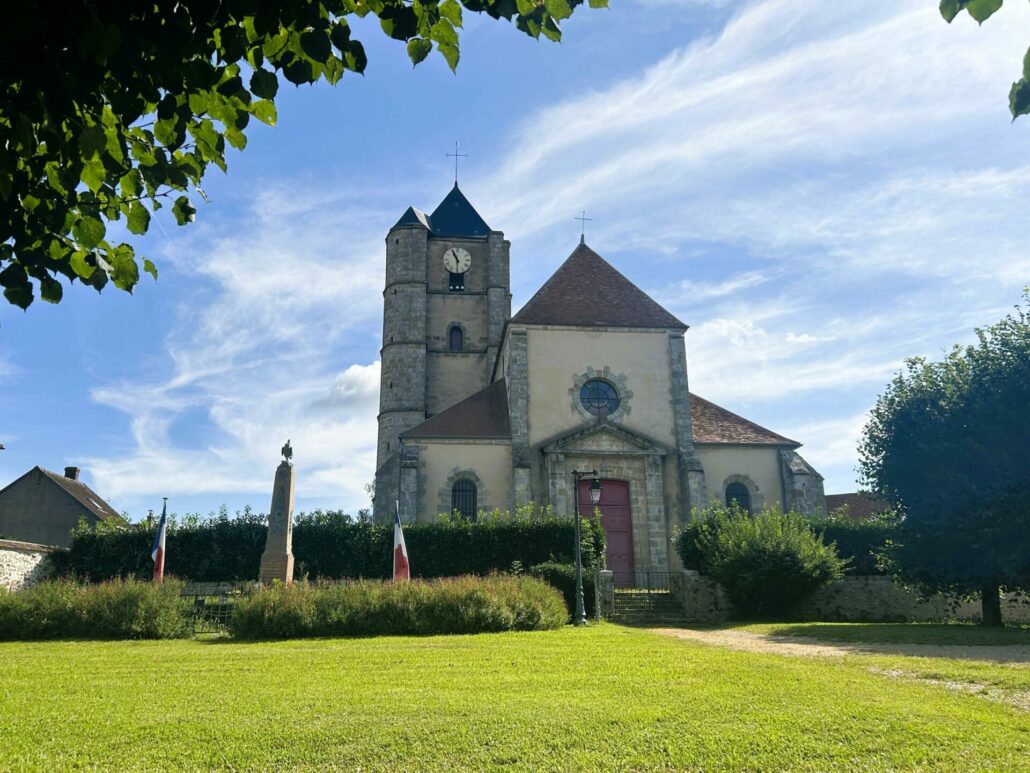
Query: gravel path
[{"x": 806, "y": 647}]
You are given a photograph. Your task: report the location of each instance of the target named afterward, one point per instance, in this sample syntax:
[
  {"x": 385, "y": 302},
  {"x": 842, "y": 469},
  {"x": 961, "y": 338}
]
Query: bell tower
[{"x": 446, "y": 299}]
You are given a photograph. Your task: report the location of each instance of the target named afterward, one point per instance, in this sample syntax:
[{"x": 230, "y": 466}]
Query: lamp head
[{"x": 595, "y": 490}]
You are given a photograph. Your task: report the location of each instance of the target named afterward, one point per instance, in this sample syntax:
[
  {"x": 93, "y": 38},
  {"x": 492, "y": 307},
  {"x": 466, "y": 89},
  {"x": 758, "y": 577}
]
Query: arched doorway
[{"x": 617, "y": 521}]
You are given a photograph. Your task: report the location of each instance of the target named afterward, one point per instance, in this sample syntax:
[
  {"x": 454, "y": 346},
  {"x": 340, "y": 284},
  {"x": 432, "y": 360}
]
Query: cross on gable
[
  {"x": 456, "y": 155},
  {"x": 583, "y": 219}
]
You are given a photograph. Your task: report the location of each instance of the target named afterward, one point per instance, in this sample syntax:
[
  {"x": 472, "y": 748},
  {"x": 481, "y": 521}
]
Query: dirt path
[{"x": 802, "y": 646}]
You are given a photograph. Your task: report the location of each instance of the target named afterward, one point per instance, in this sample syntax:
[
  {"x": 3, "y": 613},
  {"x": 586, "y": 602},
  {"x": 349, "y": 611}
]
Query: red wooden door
[{"x": 617, "y": 521}]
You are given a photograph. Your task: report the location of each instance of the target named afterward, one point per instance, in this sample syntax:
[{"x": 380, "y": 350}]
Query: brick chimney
[{"x": 71, "y": 472}]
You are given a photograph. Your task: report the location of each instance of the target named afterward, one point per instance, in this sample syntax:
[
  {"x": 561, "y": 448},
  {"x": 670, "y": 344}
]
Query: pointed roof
[
  {"x": 414, "y": 217},
  {"x": 457, "y": 217},
  {"x": 588, "y": 291},
  {"x": 483, "y": 415},
  {"x": 77, "y": 490},
  {"x": 714, "y": 424}
]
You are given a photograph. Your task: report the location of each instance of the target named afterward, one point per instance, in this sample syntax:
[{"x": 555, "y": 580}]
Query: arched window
[
  {"x": 463, "y": 499},
  {"x": 737, "y": 492},
  {"x": 456, "y": 339}
]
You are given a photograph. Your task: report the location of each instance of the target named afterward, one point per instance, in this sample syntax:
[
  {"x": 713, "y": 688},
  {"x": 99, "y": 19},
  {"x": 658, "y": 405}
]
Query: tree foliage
[
  {"x": 112, "y": 109},
  {"x": 981, "y": 11},
  {"x": 947, "y": 443}
]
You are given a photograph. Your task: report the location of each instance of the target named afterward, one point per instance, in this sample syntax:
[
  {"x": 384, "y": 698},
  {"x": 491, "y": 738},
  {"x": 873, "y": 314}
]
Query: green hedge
[
  {"x": 858, "y": 542},
  {"x": 460, "y": 605},
  {"x": 330, "y": 545},
  {"x": 563, "y": 578},
  {"x": 119, "y": 609}
]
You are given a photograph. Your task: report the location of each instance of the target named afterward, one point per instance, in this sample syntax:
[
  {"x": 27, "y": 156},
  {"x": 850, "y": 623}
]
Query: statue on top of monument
[{"x": 287, "y": 452}]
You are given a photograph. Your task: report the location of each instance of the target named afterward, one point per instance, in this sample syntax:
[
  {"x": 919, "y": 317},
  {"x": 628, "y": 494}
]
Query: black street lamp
[{"x": 580, "y": 618}]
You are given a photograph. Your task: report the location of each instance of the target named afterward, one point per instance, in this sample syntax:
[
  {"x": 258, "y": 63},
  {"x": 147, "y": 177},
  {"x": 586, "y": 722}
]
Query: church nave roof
[
  {"x": 588, "y": 291},
  {"x": 482, "y": 415},
  {"x": 714, "y": 424}
]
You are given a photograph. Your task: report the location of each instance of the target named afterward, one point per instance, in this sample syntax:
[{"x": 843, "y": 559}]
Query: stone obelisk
[{"x": 277, "y": 560}]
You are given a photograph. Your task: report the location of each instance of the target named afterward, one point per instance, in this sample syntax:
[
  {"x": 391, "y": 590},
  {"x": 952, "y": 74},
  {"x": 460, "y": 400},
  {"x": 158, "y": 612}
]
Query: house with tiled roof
[
  {"x": 44, "y": 507},
  {"x": 480, "y": 409}
]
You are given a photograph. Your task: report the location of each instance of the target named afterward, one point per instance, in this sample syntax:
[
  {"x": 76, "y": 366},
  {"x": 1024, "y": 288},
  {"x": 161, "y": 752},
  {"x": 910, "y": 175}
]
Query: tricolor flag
[
  {"x": 400, "y": 550},
  {"x": 157, "y": 553}
]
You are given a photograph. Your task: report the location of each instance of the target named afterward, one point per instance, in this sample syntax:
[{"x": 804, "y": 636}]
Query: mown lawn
[{"x": 601, "y": 698}]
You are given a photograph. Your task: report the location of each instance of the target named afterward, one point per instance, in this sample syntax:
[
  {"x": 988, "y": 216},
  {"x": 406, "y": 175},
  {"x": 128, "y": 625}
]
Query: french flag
[
  {"x": 157, "y": 553},
  {"x": 400, "y": 550}
]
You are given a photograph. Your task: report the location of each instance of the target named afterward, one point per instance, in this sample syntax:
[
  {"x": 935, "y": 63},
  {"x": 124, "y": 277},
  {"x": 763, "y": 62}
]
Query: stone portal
[{"x": 277, "y": 560}]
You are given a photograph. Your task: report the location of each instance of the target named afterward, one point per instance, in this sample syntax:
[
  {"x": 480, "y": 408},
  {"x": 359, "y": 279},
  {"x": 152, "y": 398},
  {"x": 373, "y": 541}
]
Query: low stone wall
[
  {"x": 880, "y": 599},
  {"x": 23, "y": 564},
  {"x": 703, "y": 599}
]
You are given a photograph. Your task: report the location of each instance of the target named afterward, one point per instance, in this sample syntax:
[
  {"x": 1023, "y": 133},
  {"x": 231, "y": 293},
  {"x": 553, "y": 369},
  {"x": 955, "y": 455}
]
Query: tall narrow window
[
  {"x": 463, "y": 499},
  {"x": 457, "y": 282},
  {"x": 456, "y": 339},
  {"x": 737, "y": 492}
]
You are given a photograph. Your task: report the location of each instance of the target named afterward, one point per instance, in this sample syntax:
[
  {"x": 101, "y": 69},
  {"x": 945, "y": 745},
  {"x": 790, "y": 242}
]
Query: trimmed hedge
[
  {"x": 120, "y": 609},
  {"x": 460, "y": 605},
  {"x": 330, "y": 546},
  {"x": 860, "y": 543},
  {"x": 563, "y": 578}
]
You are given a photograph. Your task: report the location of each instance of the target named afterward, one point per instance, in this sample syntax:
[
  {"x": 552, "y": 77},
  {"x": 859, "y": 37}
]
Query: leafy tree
[
  {"x": 111, "y": 109},
  {"x": 947, "y": 443},
  {"x": 982, "y": 10}
]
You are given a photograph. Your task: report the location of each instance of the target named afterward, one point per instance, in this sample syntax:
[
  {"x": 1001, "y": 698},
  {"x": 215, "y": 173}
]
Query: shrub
[
  {"x": 563, "y": 578},
  {"x": 120, "y": 609},
  {"x": 767, "y": 563},
  {"x": 330, "y": 545},
  {"x": 860, "y": 543},
  {"x": 420, "y": 607}
]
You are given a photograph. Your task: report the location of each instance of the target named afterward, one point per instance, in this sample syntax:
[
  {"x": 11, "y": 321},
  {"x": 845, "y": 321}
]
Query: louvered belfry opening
[{"x": 463, "y": 499}]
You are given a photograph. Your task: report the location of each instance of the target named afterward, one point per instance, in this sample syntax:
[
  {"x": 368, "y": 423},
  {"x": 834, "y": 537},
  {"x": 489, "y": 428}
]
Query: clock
[{"x": 456, "y": 260}]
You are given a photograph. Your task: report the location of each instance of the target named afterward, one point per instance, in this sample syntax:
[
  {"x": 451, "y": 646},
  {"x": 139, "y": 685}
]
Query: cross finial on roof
[
  {"x": 583, "y": 220},
  {"x": 456, "y": 155}
]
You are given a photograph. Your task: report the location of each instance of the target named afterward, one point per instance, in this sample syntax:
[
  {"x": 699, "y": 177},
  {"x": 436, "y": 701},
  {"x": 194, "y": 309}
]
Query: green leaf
[
  {"x": 559, "y": 9},
  {"x": 355, "y": 58},
  {"x": 150, "y": 268},
  {"x": 1026, "y": 64},
  {"x": 50, "y": 289},
  {"x": 451, "y": 10},
  {"x": 450, "y": 53},
  {"x": 264, "y": 111},
  {"x": 94, "y": 174},
  {"x": 264, "y": 84},
  {"x": 598, "y": 3},
  {"x": 1019, "y": 98},
  {"x": 184, "y": 211},
  {"x": 418, "y": 49},
  {"x": 950, "y": 9},
  {"x": 443, "y": 33},
  {"x": 92, "y": 141},
  {"x": 299, "y": 71},
  {"x": 139, "y": 218},
  {"x": 131, "y": 183},
  {"x": 89, "y": 231},
  {"x": 315, "y": 43},
  {"x": 80, "y": 265},
  {"x": 124, "y": 270},
  {"x": 982, "y": 10}
]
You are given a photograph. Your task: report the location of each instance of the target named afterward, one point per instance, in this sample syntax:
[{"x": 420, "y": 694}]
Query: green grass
[
  {"x": 599, "y": 698},
  {"x": 898, "y": 633}
]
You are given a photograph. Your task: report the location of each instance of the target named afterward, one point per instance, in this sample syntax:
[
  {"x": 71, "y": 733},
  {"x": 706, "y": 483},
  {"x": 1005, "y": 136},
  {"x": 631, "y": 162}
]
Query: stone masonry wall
[{"x": 23, "y": 564}]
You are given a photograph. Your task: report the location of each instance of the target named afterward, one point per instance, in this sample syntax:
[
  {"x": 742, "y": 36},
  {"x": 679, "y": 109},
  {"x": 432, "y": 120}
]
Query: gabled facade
[
  {"x": 591, "y": 374},
  {"x": 43, "y": 507}
]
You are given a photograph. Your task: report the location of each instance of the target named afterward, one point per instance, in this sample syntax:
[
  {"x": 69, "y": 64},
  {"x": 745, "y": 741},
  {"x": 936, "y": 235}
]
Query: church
[{"x": 482, "y": 410}]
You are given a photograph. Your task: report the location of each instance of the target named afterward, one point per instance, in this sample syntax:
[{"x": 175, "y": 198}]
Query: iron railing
[
  {"x": 641, "y": 581},
  {"x": 213, "y": 603}
]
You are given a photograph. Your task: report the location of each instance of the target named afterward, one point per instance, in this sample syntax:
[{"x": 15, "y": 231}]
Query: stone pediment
[{"x": 605, "y": 438}]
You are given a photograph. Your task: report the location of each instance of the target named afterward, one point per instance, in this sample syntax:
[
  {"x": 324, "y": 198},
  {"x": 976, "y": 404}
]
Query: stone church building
[{"x": 482, "y": 410}]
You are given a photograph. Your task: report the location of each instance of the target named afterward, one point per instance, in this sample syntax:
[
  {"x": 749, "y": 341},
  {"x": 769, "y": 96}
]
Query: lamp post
[{"x": 580, "y": 618}]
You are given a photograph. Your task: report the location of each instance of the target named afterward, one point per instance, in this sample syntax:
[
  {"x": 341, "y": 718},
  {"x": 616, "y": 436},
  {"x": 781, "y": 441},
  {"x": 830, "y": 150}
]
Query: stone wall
[
  {"x": 853, "y": 599},
  {"x": 23, "y": 564}
]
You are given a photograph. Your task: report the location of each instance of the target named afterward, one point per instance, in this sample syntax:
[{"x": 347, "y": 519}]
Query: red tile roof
[
  {"x": 861, "y": 507},
  {"x": 483, "y": 415},
  {"x": 714, "y": 424},
  {"x": 588, "y": 291}
]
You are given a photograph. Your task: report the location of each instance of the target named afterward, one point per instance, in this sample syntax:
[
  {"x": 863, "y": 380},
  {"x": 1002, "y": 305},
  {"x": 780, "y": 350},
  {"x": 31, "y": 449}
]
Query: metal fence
[
  {"x": 213, "y": 603},
  {"x": 641, "y": 581}
]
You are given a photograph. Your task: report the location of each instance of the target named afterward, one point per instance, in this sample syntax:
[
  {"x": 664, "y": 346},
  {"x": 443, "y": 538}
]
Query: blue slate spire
[{"x": 457, "y": 217}]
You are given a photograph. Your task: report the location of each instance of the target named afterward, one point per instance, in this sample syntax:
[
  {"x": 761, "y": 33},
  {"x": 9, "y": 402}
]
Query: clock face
[{"x": 456, "y": 260}]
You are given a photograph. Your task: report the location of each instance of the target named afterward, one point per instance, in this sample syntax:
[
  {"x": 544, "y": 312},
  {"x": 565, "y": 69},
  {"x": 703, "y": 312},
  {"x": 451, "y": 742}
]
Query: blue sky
[{"x": 819, "y": 191}]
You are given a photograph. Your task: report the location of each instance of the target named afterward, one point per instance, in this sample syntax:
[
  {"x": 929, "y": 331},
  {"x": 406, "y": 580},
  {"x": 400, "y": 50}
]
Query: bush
[
  {"x": 120, "y": 609},
  {"x": 421, "y": 607},
  {"x": 860, "y": 543},
  {"x": 329, "y": 545},
  {"x": 563, "y": 578},
  {"x": 766, "y": 564}
]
